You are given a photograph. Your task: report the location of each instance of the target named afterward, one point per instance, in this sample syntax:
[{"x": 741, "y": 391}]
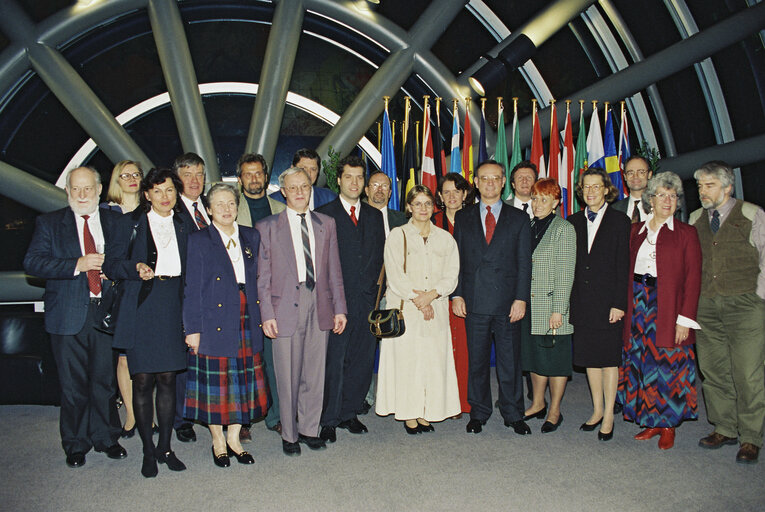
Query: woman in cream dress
[{"x": 417, "y": 381}]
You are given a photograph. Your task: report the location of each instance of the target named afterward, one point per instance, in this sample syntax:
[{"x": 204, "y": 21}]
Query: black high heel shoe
[
  {"x": 589, "y": 427},
  {"x": 241, "y": 458},
  {"x": 602, "y": 436},
  {"x": 412, "y": 430},
  {"x": 126, "y": 434},
  {"x": 425, "y": 428},
  {"x": 169, "y": 458},
  {"x": 549, "y": 426},
  {"x": 222, "y": 461},
  {"x": 537, "y": 415}
]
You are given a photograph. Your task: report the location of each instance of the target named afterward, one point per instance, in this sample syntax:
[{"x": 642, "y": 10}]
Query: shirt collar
[
  {"x": 670, "y": 223},
  {"x": 348, "y": 205},
  {"x": 494, "y": 206},
  {"x": 155, "y": 217},
  {"x": 724, "y": 209},
  {"x": 600, "y": 212}
]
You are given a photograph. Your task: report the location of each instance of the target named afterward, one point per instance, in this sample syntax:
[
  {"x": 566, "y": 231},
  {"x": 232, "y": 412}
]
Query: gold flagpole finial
[
  {"x": 499, "y": 104},
  {"x": 594, "y": 105},
  {"x": 386, "y": 99},
  {"x": 552, "y": 104},
  {"x": 483, "y": 106},
  {"x": 515, "y": 104},
  {"x": 568, "y": 106},
  {"x": 438, "y": 107},
  {"x": 605, "y": 106}
]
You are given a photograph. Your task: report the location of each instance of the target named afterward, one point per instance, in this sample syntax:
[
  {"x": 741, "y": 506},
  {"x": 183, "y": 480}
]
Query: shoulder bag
[{"x": 387, "y": 323}]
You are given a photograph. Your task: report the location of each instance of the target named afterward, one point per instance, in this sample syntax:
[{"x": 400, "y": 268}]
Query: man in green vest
[{"x": 731, "y": 342}]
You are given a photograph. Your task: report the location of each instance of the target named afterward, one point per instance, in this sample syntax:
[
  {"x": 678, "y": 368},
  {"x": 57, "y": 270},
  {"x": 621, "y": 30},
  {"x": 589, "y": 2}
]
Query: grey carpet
[{"x": 387, "y": 469}]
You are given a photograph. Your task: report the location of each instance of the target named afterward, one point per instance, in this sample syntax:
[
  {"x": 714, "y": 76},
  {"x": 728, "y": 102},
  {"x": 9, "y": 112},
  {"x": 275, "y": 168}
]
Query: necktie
[
  {"x": 309, "y": 276},
  {"x": 715, "y": 222},
  {"x": 592, "y": 215},
  {"x": 526, "y": 208},
  {"x": 636, "y": 212},
  {"x": 491, "y": 223},
  {"x": 201, "y": 222},
  {"x": 353, "y": 216},
  {"x": 94, "y": 276}
]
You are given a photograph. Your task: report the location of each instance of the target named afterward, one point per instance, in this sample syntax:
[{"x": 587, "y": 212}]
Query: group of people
[{"x": 239, "y": 305}]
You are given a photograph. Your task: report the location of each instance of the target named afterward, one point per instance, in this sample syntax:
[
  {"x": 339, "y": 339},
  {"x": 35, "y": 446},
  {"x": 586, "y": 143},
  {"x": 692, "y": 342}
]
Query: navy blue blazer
[
  {"x": 121, "y": 265},
  {"x": 493, "y": 276},
  {"x": 53, "y": 255},
  {"x": 321, "y": 196},
  {"x": 361, "y": 253},
  {"x": 211, "y": 294}
]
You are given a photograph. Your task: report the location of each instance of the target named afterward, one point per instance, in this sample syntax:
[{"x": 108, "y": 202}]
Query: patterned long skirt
[
  {"x": 228, "y": 390},
  {"x": 658, "y": 385}
]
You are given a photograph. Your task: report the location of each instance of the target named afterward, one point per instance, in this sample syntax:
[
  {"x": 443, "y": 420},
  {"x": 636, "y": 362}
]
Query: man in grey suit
[{"x": 300, "y": 285}]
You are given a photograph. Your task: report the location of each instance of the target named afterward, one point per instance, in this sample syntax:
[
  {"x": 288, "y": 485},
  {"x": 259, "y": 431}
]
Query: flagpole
[
  {"x": 499, "y": 106},
  {"x": 533, "y": 112},
  {"x": 483, "y": 107},
  {"x": 425, "y": 107},
  {"x": 438, "y": 109},
  {"x": 581, "y": 110},
  {"x": 405, "y": 129},
  {"x": 378, "y": 135},
  {"x": 552, "y": 104}
]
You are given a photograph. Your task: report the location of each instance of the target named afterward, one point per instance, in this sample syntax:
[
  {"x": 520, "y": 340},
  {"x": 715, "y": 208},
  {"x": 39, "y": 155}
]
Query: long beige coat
[{"x": 416, "y": 377}]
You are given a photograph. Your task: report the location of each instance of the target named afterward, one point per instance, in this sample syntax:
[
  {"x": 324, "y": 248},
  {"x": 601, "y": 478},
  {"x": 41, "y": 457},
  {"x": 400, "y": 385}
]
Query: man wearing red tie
[
  {"x": 67, "y": 250},
  {"x": 492, "y": 294}
]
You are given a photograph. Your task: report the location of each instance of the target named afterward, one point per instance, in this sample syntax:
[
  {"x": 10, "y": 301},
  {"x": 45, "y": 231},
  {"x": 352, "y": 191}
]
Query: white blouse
[
  {"x": 234, "y": 249},
  {"x": 168, "y": 255}
]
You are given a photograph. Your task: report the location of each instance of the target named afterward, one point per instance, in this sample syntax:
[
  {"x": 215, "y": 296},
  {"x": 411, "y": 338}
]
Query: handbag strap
[{"x": 380, "y": 280}]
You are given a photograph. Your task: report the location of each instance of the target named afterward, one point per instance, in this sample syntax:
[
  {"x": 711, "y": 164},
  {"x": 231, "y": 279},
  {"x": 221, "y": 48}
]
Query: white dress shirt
[
  {"x": 519, "y": 204},
  {"x": 297, "y": 242},
  {"x": 592, "y": 227},
  {"x": 168, "y": 255},
  {"x": 631, "y": 208},
  {"x": 384, "y": 212},
  {"x": 234, "y": 250},
  {"x": 348, "y": 205}
]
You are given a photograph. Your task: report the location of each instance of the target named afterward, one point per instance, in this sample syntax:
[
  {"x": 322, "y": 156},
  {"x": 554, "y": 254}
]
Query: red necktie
[
  {"x": 94, "y": 276},
  {"x": 491, "y": 223},
  {"x": 353, "y": 216},
  {"x": 201, "y": 222}
]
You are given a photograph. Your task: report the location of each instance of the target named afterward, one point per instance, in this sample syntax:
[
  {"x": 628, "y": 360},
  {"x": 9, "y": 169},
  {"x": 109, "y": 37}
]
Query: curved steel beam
[
  {"x": 736, "y": 153},
  {"x": 30, "y": 190},
  {"x": 19, "y": 287},
  {"x": 181, "y": 80}
]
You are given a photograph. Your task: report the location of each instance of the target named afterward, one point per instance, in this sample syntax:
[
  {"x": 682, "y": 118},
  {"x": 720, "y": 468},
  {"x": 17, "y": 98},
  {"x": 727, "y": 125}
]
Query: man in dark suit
[
  {"x": 492, "y": 294},
  {"x": 190, "y": 168},
  {"x": 67, "y": 249},
  {"x": 378, "y": 192},
  {"x": 351, "y": 354},
  {"x": 300, "y": 287},
  {"x": 310, "y": 162}
]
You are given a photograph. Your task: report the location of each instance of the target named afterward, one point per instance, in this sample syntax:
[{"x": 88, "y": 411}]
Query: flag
[
  {"x": 428, "y": 164},
  {"x": 567, "y": 168},
  {"x": 624, "y": 145},
  {"x": 516, "y": 157},
  {"x": 595, "y": 154},
  {"x": 500, "y": 149},
  {"x": 554, "y": 160},
  {"x": 455, "y": 164},
  {"x": 537, "y": 149},
  {"x": 580, "y": 159},
  {"x": 611, "y": 158},
  {"x": 483, "y": 154},
  {"x": 388, "y": 161},
  {"x": 467, "y": 148}
]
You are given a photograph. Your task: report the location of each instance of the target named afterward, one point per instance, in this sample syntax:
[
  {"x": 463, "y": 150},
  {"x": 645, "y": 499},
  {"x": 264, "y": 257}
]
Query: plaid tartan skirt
[{"x": 228, "y": 390}]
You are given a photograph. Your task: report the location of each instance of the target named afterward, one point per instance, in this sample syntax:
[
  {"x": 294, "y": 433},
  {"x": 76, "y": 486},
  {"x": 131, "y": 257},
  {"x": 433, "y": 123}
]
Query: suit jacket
[
  {"x": 553, "y": 263},
  {"x": 602, "y": 276},
  {"x": 244, "y": 218},
  {"x": 121, "y": 265},
  {"x": 278, "y": 284},
  {"x": 321, "y": 196},
  {"x": 53, "y": 255},
  {"x": 493, "y": 276},
  {"x": 678, "y": 265},
  {"x": 211, "y": 294},
  {"x": 186, "y": 214},
  {"x": 361, "y": 253},
  {"x": 396, "y": 218}
]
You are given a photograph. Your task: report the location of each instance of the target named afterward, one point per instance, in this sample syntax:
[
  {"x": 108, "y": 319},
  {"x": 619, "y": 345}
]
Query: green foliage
[
  {"x": 650, "y": 154},
  {"x": 329, "y": 167}
]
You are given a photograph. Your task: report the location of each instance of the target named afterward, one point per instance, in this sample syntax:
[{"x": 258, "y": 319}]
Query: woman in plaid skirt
[{"x": 226, "y": 382}]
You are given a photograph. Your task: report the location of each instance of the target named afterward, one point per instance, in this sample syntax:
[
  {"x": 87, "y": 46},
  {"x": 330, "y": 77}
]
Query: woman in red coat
[
  {"x": 658, "y": 378},
  {"x": 453, "y": 193}
]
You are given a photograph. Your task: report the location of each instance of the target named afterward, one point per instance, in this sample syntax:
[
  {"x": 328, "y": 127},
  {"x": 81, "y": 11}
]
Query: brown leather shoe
[
  {"x": 715, "y": 440},
  {"x": 667, "y": 439},
  {"x": 244, "y": 435},
  {"x": 748, "y": 454}
]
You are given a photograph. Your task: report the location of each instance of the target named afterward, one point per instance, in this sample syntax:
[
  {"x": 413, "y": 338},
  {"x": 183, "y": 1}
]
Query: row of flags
[{"x": 424, "y": 160}]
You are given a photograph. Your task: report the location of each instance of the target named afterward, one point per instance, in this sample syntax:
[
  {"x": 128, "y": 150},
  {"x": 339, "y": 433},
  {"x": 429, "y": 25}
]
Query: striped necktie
[
  {"x": 198, "y": 218},
  {"x": 715, "y": 222},
  {"x": 309, "y": 275},
  {"x": 94, "y": 276}
]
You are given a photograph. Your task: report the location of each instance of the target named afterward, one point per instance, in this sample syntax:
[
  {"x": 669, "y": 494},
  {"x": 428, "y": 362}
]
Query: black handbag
[
  {"x": 112, "y": 296},
  {"x": 387, "y": 323}
]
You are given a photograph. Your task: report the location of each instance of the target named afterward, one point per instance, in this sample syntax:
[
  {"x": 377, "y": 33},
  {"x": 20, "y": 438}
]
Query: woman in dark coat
[
  {"x": 599, "y": 294},
  {"x": 226, "y": 384},
  {"x": 149, "y": 326}
]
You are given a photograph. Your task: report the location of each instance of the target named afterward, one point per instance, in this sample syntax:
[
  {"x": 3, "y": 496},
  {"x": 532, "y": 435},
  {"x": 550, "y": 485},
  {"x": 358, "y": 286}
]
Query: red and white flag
[
  {"x": 537, "y": 149},
  {"x": 428, "y": 163}
]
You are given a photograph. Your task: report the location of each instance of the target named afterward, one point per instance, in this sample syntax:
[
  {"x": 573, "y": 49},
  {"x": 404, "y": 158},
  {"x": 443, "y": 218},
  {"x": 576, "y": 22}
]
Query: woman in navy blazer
[{"x": 221, "y": 316}]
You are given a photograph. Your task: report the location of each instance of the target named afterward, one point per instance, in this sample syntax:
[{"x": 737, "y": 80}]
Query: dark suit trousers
[
  {"x": 350, "y": 363},
  {"x": 85, "y": 363},
  {"x": 507, "y": 344}
]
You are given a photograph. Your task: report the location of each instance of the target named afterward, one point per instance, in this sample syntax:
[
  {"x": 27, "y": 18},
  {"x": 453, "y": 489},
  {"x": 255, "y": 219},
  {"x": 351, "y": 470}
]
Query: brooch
[{"x": 248, "y": 252}]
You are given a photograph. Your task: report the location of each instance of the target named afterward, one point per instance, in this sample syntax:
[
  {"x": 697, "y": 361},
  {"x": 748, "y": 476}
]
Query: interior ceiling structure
[{"x": 69, "y": 68}]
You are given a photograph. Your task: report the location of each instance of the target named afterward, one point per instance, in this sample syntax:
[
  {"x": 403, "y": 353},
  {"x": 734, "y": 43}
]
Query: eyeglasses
[
  {"x": 488, "y": 179},
  {"x": 302, "y": 188},
  {"x": 382, "y": 186},
  {"x": 639, "y": 172},
  {"x": 426, "y": 204},
  {"x": 662, "y": 196},
  {"x": 127, "y": 175},
  {"x": 594, "y": 188}
]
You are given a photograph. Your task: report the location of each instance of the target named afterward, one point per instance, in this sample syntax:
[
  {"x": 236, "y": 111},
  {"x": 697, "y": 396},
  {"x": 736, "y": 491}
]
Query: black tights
[{"x": 143, "y": 386}]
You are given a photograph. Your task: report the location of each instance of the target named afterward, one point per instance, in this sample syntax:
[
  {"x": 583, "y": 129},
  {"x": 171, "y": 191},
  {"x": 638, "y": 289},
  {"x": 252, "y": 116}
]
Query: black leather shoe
[
  {"x": 474, "y": 426},
  {"x": 149, "y": 466},
  {"x": 328, "y": 434},
  {"x": 222, "y": 460},
  {"x": 412, "y": 430},
  {"x": 75, "y": 460},
  {"x": 169, "y": 458},
  {"x": 589, "y": 427},
  {"x": 241, "y": 458},
  {"x": 114, "y": 451},
  {"x": 353, "y": 425},
  {"x": 548, "y": 427},
  {"x": 127, "y": 434},
  {"x": 314, "y": 443},
  {"x": 245, "y": 436},
  {"x": 185, "y": 434},
  {"x": 602, "y": 436},
  {"x": 519, "y": 427},
  {"x": 537, "y": 415},
  {"x": 425, "y": 428},
  {"x": 291, "y": 449}
]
